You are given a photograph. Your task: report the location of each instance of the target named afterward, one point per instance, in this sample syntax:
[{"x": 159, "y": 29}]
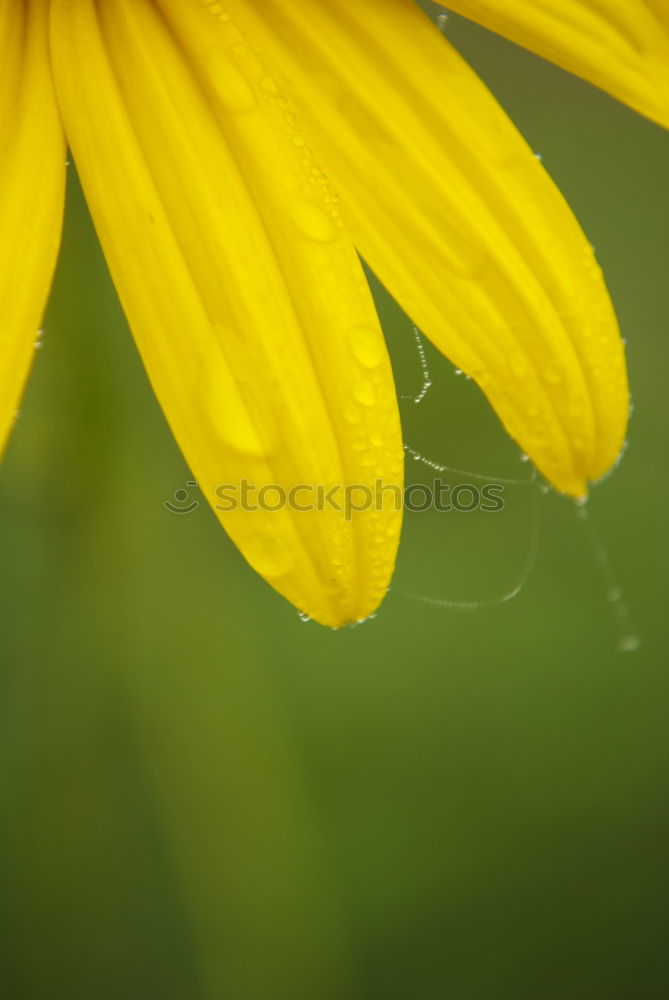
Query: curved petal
[
  {"x": 242, "y": 288},
  {"x": 621, "y": 46},
  {"x": 32, "y": 190},
  {"x": 458, "y": 219}
]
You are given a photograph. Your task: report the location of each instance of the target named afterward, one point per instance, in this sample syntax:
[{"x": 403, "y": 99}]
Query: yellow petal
[
  {"x": 458, "y": 219},
  {"x": 621, "y": 46},
  {"x": 32, "y": 182},
  {"x": 241, "y": 285}
]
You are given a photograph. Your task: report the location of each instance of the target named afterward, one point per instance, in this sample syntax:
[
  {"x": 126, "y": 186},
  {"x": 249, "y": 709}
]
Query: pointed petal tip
[
  {"x": 32, "y": 192},
  {"x": 338, "y": 620},
  {"x": 241, "y": 284},
  {"x": 339, "y": 595},
  {"x": 621, "y": 46},
  {"x": 462, "y": 225},
  {"x": 577, "y": 484}
]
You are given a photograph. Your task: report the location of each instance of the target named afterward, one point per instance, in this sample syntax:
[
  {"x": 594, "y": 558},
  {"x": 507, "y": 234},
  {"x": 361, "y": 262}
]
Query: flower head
[{"x": 236, "y": 158}]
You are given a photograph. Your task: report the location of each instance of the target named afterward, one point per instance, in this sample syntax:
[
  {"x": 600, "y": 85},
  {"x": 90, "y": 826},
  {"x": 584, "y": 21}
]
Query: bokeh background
[{"x": 204, "y": 798}]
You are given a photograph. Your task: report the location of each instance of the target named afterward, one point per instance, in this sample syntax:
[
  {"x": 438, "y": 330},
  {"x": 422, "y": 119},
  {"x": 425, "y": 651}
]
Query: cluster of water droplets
[
  {"x": 425, "y": 371},
  {"x": 312, "y": 207},
  {"x": 318, "y": 220}
]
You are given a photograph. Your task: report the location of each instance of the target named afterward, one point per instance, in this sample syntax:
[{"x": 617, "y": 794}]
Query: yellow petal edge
[
  {"x": 621, "y": 46},
  {"x": 32, "y": 185},
  {"x": 241, "y": 285},
  {"x": 459, "y": 220}
]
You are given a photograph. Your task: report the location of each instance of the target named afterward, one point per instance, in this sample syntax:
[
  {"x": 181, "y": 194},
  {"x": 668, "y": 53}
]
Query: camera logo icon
[{"x": 181, "y": 502}]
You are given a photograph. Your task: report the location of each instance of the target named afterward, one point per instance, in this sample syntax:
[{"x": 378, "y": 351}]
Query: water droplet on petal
[
  {"x": 268, "y": 553},
  {"x": 519, "y": 364},
  {"x": 268, "y": 85},
  {"x": 368, "y": 346},
  {"x": 233, "y": 89},
  {"x": 313, "y": 222},
  {"x": 237, "y": 419},
  {"x": 394, "y": 527},
  {"x": 365, "y": 392}
]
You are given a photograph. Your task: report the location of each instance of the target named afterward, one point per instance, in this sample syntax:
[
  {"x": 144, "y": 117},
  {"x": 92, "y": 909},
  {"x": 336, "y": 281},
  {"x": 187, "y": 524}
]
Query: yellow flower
[{"x": 211, "y": 139}]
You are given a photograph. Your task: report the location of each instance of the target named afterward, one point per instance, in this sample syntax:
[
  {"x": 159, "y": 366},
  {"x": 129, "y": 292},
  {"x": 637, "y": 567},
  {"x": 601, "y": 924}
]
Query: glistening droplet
[
  {"x": 368, "y": 346},
  {"x": 268, "y": 553},
  {"x": 365, "y": 392},
  {"x": 242, "y": 424},
  {"x": 313, "y": 222}
]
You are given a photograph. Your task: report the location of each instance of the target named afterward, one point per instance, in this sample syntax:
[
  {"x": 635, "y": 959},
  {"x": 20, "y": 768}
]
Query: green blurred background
[{"x": 203, "y": 797}]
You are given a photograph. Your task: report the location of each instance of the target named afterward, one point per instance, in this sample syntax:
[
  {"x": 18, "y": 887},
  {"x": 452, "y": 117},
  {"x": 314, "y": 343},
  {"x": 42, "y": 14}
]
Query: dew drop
[
  {"x": 394, "y": 527},
  {"x": 483, "y": 378},
  {"x": 268, "y": 553},
  {"x": 519, "y": 365},
  {"x": 233, "y": 89},
  {"x": 240, "y": 422},
  {"x": 365, "y": 392},
  {"x": 313, "y": 222},
  {"x": 368, "y": 346},
  {"x": 268, "y": 86}
]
